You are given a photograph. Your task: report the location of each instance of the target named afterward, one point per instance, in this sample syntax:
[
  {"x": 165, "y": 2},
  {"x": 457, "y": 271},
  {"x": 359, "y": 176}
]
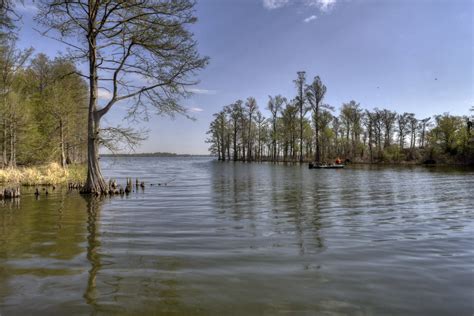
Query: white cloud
[
  {"x": 310, "y": 18},
  {"x": 195, "y": 109},
  {"x": 275, "y": 4},
  {"x": 104, "y": 94},
  {"x": 323, "y": 5},
  {"x": 201, "y": 91}
]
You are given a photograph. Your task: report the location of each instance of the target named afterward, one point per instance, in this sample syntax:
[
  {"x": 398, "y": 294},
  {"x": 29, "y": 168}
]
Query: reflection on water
[
  {"x": 93, "y": 245},
  {"x": 225, "y": 238}
]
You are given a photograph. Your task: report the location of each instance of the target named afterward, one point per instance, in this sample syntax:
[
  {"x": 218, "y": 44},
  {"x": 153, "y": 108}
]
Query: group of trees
[
  {"x": 42, "y": 107},
  {"x": 141, "y": 52},
  {"x": 307, "y": 129}
]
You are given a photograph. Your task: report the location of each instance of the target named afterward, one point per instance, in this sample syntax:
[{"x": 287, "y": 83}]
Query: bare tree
[
  {"x": 139, "y": 50},
  {"x": 388, "y": 120},
  {"x": 251, "y": 105},
  {"x": 260, "y": 120},
  {"x": 424, "y": 123},
  {"x": 289, "y": 130},
  {"x": 413, "y": 124},
  {"x": 369, "y": 121},
  {"x": 235, "y": 112},
  {"x": 301, "y": 98},
  {"x": 403, "y": 120},
  {"x": 218, "y": 131},
  {"x": 275, "y": 106},
  {"x": 351, "y": 116},
  {"x": 315, "y": 93},
  {"x": 378, "y": 127}
]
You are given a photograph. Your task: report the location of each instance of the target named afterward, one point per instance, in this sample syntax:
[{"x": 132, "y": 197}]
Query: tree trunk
[
  {"x": 228, "y": 146},
  {"x": 219, "y": 157},
  {"x": 14, "y": 144},
  {"x": 12, "y": 163},
  {"x": 316, "y": 129},
  {"x": 274, "y": 140},
  {"x": 301, "y": 132},
  {"x": 235, "y": 143},
  {"x": 291, "y": 155},
  {"x": 401, "y": 139},
  {"x": 223, "y": 147},
  {"x": 5, "y": 159},
  {"x": 423, "y": 136},
  {"x": 68, "y": 154},
  {"x": 249, "y": 150},
  {"x": 95, "y": 182},
  {"x": 61, "y": 145},
  {"x": 259, "y": 146}
]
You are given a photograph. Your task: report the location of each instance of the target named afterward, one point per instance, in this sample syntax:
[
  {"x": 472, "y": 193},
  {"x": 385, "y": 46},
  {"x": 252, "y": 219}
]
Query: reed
[{"x": 48, "y": 174}]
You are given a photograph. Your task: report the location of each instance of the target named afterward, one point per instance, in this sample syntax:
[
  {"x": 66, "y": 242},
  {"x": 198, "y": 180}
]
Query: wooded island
[{"x": 306, "y": 129}]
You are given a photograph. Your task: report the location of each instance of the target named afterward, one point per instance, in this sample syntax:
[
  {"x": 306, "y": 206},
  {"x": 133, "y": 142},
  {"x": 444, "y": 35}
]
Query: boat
[{"x": 325, "y": 166}]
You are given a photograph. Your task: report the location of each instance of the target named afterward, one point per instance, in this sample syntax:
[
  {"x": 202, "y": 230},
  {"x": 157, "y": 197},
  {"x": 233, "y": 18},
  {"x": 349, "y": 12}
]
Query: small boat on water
[{"x": 325, "y": 166}]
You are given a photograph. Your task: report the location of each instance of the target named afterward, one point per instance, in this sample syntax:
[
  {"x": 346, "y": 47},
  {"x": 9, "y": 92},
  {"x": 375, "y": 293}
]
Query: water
[{"x": 244, "y": 239}]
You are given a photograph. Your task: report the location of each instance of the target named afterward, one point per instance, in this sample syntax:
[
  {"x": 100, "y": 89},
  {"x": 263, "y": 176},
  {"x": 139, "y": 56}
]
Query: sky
[{"x": 404, "y": 55}]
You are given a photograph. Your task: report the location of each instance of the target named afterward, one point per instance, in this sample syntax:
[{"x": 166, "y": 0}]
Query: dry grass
[{"x": 43, "y": 175}]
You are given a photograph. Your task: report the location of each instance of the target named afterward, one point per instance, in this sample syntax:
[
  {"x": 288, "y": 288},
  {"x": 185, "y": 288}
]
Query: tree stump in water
[
  {"x": 112, "y": 184},
  {"x": 128, "y": 187},
  {"x": 10, "y": 193},
  {"x": 74, "y": 186}
]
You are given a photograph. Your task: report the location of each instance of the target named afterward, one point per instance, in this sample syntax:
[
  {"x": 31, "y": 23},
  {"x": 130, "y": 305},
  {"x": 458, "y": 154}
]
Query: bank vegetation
[{"x": 47, "y": 174}]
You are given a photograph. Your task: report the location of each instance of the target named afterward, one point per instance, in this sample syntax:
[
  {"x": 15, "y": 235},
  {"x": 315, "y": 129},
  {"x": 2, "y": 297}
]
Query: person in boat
[{"x": 338, "y": 161}]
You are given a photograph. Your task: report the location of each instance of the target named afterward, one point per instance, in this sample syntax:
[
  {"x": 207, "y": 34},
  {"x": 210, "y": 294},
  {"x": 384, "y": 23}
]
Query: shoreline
[
  {"x": 401, "y": 163},
  {"x": 54, "y": 174}
]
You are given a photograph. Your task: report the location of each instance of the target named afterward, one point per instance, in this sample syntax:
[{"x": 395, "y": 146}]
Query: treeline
[
  {"x": 43, "y": 108},
  {"x": 155, "y": 154},
  {"x": 307, "y": 129}
]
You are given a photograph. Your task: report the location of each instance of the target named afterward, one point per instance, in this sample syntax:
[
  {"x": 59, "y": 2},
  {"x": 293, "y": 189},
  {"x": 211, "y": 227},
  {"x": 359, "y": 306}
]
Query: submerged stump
[{"x": 10, "y": 193}]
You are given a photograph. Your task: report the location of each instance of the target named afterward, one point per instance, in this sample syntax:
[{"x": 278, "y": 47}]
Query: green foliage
[
  {"x": 392, "y": 154},
  {"x": 43, "y": 115},
  {"x": 452, "y": 138}
]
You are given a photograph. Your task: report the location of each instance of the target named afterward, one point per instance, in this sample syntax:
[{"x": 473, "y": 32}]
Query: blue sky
[{"x": 405, "y": 55}]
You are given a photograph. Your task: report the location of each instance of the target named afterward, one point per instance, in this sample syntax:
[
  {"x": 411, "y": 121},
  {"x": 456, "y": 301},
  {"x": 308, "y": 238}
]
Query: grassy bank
[{"x": 43, "y": 175}]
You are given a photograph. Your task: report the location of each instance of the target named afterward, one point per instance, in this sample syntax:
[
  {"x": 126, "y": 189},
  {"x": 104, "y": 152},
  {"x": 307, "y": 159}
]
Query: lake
[{"x": 244, "y": 239}]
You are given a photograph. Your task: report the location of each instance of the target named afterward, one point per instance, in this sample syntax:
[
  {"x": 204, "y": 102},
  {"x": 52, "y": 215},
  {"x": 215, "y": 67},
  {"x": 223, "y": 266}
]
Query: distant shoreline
[{"x": 157, "y": 154}]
